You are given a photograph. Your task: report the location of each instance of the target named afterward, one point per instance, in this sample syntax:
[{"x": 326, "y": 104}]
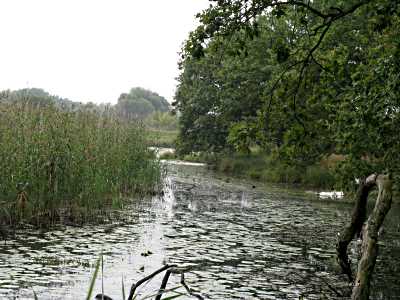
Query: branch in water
[
  {"x": 188, "y": 289},
  {"x": 163, "y": 284},
  {"x": 141, "y": 281}
]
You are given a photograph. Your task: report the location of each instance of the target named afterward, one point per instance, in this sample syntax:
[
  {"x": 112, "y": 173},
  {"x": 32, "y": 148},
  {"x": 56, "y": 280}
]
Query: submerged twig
[{"x": 188, "y": 289}]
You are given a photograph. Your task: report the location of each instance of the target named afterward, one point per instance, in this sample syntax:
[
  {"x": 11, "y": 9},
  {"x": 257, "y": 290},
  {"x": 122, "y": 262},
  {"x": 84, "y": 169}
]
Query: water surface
[{"x": 235, "y": 241}]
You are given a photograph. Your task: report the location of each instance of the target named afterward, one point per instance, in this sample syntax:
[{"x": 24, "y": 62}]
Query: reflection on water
[{"x": 235, "y": 242}]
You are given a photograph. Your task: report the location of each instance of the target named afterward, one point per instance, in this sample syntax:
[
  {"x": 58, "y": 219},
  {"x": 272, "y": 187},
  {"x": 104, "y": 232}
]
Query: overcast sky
[{"x": 93, "y": 50}]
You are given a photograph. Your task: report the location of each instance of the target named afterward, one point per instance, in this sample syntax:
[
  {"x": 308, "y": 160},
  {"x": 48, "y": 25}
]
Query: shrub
[{"x": 319, "y": 176}]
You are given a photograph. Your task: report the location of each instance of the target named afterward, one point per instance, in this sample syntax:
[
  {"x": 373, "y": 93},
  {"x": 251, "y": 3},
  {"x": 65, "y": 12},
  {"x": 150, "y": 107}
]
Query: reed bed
[{"x": 57, "y": 164}]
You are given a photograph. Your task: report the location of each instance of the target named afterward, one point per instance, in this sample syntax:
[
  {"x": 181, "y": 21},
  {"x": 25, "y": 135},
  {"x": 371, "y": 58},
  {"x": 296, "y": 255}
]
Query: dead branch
[
  {"x": 188, "y": 289},
  {"x": 163, "y": 285},
  {"x": 141, "y": 281}
]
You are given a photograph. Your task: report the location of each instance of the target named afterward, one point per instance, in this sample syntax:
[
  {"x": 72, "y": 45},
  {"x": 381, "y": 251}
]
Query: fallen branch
[
  {"x": 163, "y": 284},
  {"x": 141, "y": 281},
  {"x": 188, "y": 289},
  {"x": 169, "y": 269}
]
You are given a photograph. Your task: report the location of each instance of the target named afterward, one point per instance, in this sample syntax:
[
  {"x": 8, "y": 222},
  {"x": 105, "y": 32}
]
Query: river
[{"x": 235, "y": 239}]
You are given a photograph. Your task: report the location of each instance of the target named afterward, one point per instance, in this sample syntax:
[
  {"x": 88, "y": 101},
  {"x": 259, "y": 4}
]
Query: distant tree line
[{"x": 139, "y": 103}]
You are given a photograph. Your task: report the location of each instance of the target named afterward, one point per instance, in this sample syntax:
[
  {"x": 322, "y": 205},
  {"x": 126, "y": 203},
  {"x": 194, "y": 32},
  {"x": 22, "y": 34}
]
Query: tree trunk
[
  {"x": 369, "y": 247},
  {"x": 369, "y": 234},
  {"x": 357, "y": 220}
]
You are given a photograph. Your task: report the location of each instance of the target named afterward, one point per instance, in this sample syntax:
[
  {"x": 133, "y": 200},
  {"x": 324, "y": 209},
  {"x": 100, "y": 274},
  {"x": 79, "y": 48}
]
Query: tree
[
  {"x": 38, "y": 98},
  {"x": 236, "y": 81},
  {"x": 162, "y": 120},
  {"x": 333, "y": 87},
  {"x": 140, "y": 103}
]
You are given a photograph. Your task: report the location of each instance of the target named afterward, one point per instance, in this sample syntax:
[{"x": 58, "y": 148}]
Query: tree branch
[
  {"x": 188, "y": 289},
  {"x": 141, "y": 281},
  {"x": 163, "y": 285}
]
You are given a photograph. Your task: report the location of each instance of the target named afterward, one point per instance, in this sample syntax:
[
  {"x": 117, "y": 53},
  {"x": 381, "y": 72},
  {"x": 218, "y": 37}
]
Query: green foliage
[
  {"x": 140, "y": 103},
  {"x": 159, "y": 103},
  {"x": 318, "y": 176},
  {"x": 162, "y": 121},
  {"x": 305, "y": 78},
  {"x": 161, "y": 138},
  {"x": 200, "y": 157},
  {"x": 36, "y": 97},
  {"x": 58, "y": 164},
  {"x": 137, "y": 104},
  {"x": 268, "y": 168},
  {"x": 134, "y": 109},
  {"x": 241, "y": 136}
]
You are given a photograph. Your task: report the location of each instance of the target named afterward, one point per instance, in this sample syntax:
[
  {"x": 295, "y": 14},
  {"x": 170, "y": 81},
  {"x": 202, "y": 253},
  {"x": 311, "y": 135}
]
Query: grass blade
[
  {"x": 34, "y": 295},
  {"x": 102, "y": 274},
  {"x": 96, "y": 271},
  {"x": 123, "y": 289}
]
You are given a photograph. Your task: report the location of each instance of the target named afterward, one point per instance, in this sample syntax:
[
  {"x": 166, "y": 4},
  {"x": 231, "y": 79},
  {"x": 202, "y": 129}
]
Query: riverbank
[
  {"x": 265, "y": 168},
  {"x": 262, "y": 167},
  {"x": 161, "y": 138}
]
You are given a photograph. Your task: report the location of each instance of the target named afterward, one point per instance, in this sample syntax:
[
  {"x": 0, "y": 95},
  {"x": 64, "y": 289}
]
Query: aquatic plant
[{"x": 57, "y": 164}]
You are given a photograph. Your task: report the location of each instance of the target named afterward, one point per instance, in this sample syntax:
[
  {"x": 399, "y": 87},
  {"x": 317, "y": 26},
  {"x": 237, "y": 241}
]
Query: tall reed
[{"x": 55, "y": 163}]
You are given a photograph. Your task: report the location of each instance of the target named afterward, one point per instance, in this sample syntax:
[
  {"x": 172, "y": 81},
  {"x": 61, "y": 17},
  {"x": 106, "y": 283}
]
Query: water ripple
[{"x": 234, "y": 242}]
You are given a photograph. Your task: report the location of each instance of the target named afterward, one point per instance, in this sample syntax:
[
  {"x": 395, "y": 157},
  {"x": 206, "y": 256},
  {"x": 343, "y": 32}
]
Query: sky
[{"x": 94, "y": 50}]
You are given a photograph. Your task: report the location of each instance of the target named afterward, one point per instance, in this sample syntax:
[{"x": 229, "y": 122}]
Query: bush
[{"x": 319, "y": 176}]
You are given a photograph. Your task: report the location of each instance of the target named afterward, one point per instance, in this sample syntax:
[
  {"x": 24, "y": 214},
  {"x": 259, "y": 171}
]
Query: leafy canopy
[{"x": 304, "y": 78}]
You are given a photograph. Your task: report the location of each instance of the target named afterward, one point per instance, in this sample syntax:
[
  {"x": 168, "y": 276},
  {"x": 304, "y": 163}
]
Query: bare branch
[
  {"x": 163, "y": 285},
  {"x": 141, "y": 281},
  {"x": 319, "y": 65},
  {"x": 188, "y": 289}
]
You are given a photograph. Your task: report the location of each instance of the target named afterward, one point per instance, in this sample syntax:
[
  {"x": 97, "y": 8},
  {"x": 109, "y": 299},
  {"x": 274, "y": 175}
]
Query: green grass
[
  {"x": 162, "y": 138},
  {"x": 57, "y": 164},
  {"x": 263, "y": 167}
]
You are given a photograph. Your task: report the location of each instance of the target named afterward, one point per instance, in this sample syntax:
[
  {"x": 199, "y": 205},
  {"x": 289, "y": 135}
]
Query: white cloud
[{"x": 93, "y": 50}]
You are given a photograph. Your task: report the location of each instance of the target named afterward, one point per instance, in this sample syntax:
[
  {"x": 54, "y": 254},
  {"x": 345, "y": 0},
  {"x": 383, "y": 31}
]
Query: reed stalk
[{"x": 57, "y": 164}]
